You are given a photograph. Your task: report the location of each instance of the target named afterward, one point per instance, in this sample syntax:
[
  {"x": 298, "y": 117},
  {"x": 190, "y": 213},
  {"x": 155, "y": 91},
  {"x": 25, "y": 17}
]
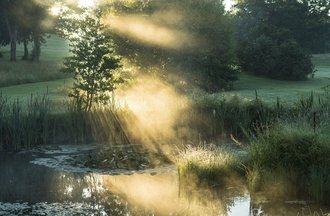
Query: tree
[
  {"x": 7, "y": 10},
  {"x": 4, "y": 37},
  {"x": 215, "y": 59},
  {"x": 277, "y": 56},
  {"x": 93, "y": 63},
  {"x": 265, "y": 46},
  {"x": 206, "y": 57},
  {"x": 32, "y": 29},
  {"x": 308, "y": 21}
]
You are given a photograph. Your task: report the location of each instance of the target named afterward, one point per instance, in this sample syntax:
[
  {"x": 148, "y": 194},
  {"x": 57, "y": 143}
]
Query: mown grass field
[
  {"x": 22, "y": 72},
  {"x": 288, "y": 91},
  {"x": 45, "y": 75},
  {"x": 54, "y": 50}
]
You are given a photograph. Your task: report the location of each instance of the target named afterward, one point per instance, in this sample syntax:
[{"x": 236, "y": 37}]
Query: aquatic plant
[
  {"x": 295, "y": 154},
  {"x": 207, "y": 163}
]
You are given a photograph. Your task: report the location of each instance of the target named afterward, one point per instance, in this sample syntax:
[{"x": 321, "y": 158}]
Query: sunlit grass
[{"x": 210, "y": 163}]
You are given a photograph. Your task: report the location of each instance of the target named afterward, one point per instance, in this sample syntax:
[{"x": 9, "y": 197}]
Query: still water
[{"x": 34, "y": 184}]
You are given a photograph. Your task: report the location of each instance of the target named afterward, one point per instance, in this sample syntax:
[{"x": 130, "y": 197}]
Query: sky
[
  {"x": 88, "y": 3},
  {"x": 228, "y": 4}
]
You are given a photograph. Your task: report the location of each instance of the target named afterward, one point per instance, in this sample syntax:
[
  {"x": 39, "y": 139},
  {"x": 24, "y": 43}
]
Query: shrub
[
  {"x": 275, "y": 54},
  {"x": 293, "y": 63}
]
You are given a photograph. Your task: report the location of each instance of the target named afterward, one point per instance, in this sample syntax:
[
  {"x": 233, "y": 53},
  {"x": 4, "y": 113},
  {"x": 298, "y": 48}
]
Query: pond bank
[{"x": 44, "y": 181}]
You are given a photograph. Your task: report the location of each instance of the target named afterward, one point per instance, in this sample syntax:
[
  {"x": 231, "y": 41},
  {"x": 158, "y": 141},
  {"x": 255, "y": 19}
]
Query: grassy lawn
[
  {"x": 56, "y": 90},
  {"x": 42, "y": 75},
  {"x": 20, "y": 72},
  {"x": 287, "y": 91},
  {"x": 54, "y": 50}
]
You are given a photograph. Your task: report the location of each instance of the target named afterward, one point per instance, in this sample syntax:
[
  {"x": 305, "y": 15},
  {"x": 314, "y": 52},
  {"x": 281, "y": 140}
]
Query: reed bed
[{"x": 24, "y": 124}]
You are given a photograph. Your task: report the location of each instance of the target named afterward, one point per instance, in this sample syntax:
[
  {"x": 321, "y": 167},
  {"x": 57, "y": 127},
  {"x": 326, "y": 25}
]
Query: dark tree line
[
  {"x": 23, "y": 21},
  {"x": 276, "y": 37},
  {"x": 272, "y": 38},
  {"x": 207, "y": 61}
]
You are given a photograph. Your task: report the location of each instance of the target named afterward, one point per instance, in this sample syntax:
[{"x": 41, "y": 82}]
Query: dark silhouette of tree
[
  {"x": 23, "y": 22},
  {"x": 308, "y": 21},
  {"x": 7, "y": 11},
  {"x": 274, "y": 38}
]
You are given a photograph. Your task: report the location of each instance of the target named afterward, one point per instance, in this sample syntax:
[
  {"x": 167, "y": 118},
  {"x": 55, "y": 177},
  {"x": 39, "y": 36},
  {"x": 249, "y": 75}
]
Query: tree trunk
[
  {"x": 12, "y": 29},
  {"x": 13, "y": 40},
  {"x": 36, "y": 47},
  {"x": 26, "y": 50}
]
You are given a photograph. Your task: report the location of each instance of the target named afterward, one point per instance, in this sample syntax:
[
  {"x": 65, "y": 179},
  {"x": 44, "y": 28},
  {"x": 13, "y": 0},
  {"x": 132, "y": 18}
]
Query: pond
[{"x": 46, "y": 181}]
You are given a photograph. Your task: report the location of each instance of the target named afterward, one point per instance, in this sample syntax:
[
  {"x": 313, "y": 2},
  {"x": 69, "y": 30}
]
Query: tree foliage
[
  {"x": 24, "y": 21},
  {"x": 276, "y": 58},
  {"x": 268, "y": 34},
  {"x": 93, "y": 63},
  {"x": 206, "y": 61},
  {"x": 214, "y": 59},
  {"x": 308, "y": 21}
]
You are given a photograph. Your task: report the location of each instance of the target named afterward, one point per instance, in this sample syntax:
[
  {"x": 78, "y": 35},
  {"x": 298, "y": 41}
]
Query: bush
[
  {"x": 293, "y": 63},
  {"x": 275, "y": 55}
]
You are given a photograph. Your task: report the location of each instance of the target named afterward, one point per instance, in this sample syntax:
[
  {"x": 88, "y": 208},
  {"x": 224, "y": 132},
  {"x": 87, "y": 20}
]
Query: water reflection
[
  {"x": 137, "y": 194},
  {"x": 162, "y": 195}
]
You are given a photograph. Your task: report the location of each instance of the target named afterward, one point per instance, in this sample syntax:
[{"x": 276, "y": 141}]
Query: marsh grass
[
  {"x": 24, "y": 125},
  {"x": 290, "y": 155},
  {"x": 287, "y": 147},
  {"x": 207, "y": 163},
  {"x": 215, "y": 117}
]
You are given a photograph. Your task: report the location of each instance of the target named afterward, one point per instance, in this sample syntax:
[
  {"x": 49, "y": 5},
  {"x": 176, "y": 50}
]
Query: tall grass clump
[
  {"x": 291, "y": 154},
  {"x": 207, "y": 163},
  {"x": 24, "y": 124},
  {"x": 215, "y": 116}
]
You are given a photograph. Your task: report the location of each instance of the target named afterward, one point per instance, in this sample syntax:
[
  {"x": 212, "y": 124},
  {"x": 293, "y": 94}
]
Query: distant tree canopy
[
  {"x": 23, "y": 21},
  {"x": 308, "y": 21},
  {"x": 276, "y": 55},
  {"x": 275, "y": 37}
]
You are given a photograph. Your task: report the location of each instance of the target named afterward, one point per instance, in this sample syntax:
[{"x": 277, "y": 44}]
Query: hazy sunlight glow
[
  {"x": 146, "y": 31},
  {"x": 86, "y": 3},
  {"x": 228, "y": 4},
  {"x": 55, "y": 10}
]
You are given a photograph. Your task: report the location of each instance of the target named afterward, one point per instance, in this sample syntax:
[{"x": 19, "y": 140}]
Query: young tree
[{"x": 93, "y": 63}]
